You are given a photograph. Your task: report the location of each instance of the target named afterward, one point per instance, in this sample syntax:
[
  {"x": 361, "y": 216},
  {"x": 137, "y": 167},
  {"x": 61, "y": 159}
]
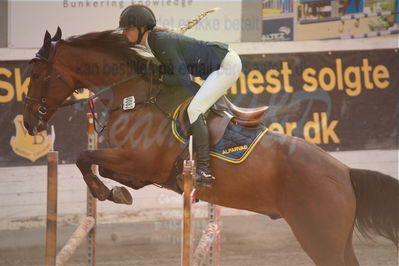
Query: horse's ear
[
  {"x": 57, "y": 35},
  {"x": 47, "y": 38},
  {"x": 45, "y": 50}
]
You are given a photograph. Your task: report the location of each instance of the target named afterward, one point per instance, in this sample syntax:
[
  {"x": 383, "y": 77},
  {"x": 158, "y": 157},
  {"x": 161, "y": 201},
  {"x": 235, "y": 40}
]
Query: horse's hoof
[{"x": 121, "y": 195}]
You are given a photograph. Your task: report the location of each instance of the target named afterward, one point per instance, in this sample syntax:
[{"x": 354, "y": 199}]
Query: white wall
[{"x": 28, "y": 20}]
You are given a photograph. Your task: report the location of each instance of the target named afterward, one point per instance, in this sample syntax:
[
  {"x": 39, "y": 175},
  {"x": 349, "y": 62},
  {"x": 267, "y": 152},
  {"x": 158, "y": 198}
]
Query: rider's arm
[{"x": 174, "y": 70}]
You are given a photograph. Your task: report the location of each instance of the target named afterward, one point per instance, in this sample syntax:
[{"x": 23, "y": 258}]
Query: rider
[{"x": 214, "y": 62}]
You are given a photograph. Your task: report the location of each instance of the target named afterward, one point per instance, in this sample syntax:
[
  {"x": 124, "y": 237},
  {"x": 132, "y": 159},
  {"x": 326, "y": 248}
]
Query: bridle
[
  {"x": 43, "y": 107},
  {"x": 42, "y": 100}
]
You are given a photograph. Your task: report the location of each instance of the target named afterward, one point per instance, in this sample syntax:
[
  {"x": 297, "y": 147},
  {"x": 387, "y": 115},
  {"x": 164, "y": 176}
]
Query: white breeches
[{"x": 214, "y": 87}]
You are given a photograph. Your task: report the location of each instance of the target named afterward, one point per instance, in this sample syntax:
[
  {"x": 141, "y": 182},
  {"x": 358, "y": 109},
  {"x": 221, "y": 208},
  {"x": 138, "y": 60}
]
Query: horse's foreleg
[
  {"x": 126, "y": 180},
  {"x": 97, "y": 188},
  {"x": 85, "y": 160}
]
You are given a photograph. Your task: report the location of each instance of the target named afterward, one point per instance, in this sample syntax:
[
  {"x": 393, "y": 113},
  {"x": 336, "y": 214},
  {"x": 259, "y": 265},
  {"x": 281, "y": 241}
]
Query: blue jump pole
[{"x": 365, "y": 35}]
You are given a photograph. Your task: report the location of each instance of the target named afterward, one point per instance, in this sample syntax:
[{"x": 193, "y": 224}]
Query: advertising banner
[
  {"x": 278, "y": 29},
  {"x": 337, "y": 100}
]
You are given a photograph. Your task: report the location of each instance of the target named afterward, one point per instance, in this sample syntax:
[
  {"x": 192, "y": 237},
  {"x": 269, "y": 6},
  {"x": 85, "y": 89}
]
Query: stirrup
[{"x": 203, "y": 179}]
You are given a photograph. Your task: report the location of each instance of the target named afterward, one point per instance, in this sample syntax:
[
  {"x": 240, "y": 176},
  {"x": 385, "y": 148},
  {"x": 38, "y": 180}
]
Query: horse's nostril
[{"x": 26, "y": 124}]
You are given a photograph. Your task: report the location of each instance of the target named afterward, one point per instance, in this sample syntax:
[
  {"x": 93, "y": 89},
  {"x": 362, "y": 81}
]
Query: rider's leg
[
  {"x": 211, "y": 90},
  {"x": 200, "y": 134}
]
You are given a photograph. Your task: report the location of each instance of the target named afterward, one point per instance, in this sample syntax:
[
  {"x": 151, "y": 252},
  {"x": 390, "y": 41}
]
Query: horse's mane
[{"x": 109, "y": 41}]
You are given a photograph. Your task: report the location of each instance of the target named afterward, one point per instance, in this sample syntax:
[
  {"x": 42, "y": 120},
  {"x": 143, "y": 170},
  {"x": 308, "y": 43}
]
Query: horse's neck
[
  {"x": 90, "y": 68},
  {"x": 97, "y": 71}
]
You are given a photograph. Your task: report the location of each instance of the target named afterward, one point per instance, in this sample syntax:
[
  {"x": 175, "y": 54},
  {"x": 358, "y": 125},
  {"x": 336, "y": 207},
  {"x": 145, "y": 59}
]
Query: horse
[{"x": 320, "y": 198}]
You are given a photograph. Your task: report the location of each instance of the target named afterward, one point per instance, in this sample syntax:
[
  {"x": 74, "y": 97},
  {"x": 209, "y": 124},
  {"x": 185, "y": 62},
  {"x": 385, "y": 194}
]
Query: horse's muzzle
[
  {"x": 32, "y": 123},
  {"x": 33, "y": 130},
  {"x": 28, "y": 128}
]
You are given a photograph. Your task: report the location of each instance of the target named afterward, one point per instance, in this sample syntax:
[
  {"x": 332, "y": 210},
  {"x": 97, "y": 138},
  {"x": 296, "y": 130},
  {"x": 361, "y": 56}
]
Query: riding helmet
[{"x": 137, "y": 16}]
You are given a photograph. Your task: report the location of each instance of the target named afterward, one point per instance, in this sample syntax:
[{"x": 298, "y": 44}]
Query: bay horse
[{"x": 285, "y": 177}]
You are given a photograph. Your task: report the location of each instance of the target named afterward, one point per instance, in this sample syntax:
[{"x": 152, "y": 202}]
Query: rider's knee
[{"x": 194, "y": 112}]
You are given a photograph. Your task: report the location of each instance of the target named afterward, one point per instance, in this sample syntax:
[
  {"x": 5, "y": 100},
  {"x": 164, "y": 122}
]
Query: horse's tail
[
  {"x": 377, "y": 203},
  {"x": 188, "y": 25}
]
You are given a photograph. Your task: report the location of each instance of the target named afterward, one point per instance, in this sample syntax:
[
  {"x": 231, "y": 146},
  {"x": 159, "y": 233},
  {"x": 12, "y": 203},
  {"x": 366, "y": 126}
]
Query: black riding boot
[{"x": 200, "y": 133}]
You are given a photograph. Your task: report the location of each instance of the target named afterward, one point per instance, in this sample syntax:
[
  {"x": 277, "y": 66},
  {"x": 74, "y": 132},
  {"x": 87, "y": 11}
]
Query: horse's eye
[{"x": 35, "y": 76}]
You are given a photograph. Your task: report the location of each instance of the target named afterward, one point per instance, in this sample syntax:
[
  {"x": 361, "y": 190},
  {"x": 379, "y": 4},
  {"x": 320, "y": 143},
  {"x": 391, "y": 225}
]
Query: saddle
[
  {"x": 220, "y": 115},
  {"x": 234, "y": 131}
]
